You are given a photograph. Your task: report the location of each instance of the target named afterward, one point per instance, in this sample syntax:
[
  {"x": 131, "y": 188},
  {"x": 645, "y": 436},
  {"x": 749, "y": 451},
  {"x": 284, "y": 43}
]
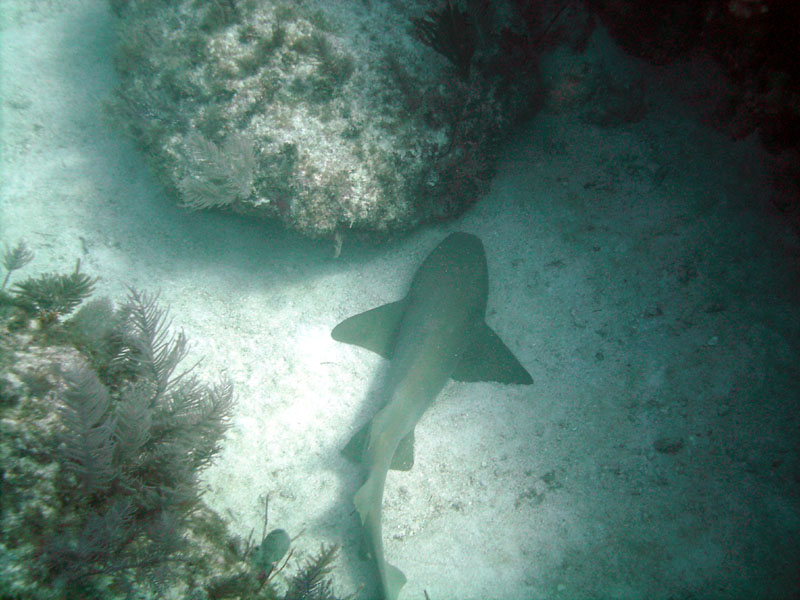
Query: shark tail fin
[{"x": 395, "y": 580}]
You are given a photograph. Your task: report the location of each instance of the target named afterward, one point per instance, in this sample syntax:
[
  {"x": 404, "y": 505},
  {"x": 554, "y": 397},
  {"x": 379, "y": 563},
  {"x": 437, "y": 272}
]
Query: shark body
[{"x": 437, "y": 332}]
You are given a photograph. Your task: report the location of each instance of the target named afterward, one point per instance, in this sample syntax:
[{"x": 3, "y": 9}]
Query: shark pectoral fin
[
  {"x": 489, "y": 359},
  {"x": 395, "y": 580},
  {"x": 403, "y": 458},
  {"x": 374, "y": 330}
]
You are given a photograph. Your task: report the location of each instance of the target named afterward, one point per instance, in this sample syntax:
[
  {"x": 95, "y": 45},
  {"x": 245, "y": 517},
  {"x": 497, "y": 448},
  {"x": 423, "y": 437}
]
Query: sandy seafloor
[{"x": 637, "y": 273}]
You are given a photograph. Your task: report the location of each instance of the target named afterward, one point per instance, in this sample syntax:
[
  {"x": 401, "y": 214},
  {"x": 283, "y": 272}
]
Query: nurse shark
[{"x": 436, "y": 333}]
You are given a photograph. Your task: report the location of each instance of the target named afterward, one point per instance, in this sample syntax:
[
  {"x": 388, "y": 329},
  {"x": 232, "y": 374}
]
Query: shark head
[{"x": 457, "y": 264}]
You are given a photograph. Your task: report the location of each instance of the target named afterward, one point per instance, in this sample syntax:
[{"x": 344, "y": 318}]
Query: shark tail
[{"x": 368, "y": 498}]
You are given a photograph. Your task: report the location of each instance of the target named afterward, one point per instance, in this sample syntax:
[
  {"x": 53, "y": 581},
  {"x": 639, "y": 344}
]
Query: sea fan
[
  {"x": 451, "y": 33},
  {"x": 217, "y": 175}
]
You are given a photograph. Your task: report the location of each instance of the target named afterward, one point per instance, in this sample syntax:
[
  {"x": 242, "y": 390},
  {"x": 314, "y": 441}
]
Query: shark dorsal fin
[
  {"x": 375, "y": 329},
  {"x": 489, "y": 359}
]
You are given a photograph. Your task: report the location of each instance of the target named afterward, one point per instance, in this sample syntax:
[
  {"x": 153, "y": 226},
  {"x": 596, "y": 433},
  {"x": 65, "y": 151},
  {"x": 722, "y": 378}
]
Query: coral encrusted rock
[{"x": 329, "y": 117}]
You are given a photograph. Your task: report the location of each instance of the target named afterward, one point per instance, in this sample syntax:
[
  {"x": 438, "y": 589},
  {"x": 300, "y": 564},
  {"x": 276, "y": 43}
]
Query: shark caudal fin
[{"x": 368, "y": 500}]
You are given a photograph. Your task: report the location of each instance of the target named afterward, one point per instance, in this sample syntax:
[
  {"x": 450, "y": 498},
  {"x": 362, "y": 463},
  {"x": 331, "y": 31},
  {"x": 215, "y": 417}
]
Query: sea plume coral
[
  {"x": 53, "y": 294},
  {"x": 130, "y": 454}
]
